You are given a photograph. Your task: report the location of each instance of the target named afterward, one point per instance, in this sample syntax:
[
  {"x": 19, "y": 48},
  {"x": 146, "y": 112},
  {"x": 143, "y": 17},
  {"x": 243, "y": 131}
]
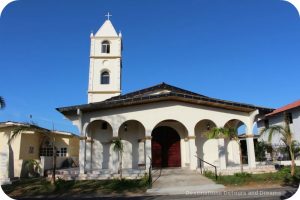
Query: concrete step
[
  {"x": 180, "y": 181},
  {"x": 185, "y": 190}
]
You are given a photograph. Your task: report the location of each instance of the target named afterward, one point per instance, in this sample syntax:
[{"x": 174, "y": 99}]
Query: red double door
[{"x": 165, "y": 147}]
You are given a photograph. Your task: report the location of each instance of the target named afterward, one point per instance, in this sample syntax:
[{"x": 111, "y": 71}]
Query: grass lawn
[
  {"x": 282, "y": 177},
  {"x": 40, "y": 186}
]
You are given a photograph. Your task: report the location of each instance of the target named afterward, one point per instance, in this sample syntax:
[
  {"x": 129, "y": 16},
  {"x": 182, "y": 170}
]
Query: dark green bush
[
  {"x": 243, "y": 174},
  {"x": 61, "y": 184}
]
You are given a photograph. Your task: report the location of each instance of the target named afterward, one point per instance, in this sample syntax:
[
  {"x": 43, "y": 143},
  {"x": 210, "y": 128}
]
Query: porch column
[
  {"x": 82, "y": 144},
  {"x": 147, "y": 151},
  {"x": 89, "y": 152},
  {"x": 82, "y": 156},
  {"x": 193, "y": 152},
  {"x": 249, "y": 139},
  {"x": 114, "y": 158},
  {"x": 222, "y": 153},
  {"x": 5, "y": 166},
  {"x": 250, "y": 152}
]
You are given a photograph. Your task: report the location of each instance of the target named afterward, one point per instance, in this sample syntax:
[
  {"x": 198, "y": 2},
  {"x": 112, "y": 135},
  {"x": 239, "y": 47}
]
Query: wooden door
[
  {"x": 156, "y": 154},
  {"x": 174, "y": 155},
  {"x": 165, "y": 148}
]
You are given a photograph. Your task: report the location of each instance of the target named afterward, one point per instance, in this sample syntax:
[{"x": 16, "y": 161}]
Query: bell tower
[{"x": 105, "y": 63}]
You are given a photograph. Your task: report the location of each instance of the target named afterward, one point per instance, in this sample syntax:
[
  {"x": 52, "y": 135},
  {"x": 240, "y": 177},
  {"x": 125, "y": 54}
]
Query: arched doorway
[
  {"x": 165, "y": 147},
  {"x": 98, "y": 147},
  {"x": 132, "y": 133},
  {"x": 204, "y": 145},
  {"x": 233, "y": 149}
]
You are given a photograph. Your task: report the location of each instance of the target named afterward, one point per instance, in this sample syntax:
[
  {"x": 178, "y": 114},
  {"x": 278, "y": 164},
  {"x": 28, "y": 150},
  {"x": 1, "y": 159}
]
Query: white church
[{"x": 162, "y": 125}]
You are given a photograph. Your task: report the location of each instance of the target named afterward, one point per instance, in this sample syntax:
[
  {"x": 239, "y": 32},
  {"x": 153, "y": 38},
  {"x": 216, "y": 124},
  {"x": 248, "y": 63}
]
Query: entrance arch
[
  {"x": 132, "y": 133},
  {"x": 99, "y": 150},
  {"x": 165, "y": 147},
  {"x": 233, "y": 150}
]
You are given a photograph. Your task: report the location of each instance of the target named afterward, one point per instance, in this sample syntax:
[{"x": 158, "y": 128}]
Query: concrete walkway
[{"x": 178, "y": 181}]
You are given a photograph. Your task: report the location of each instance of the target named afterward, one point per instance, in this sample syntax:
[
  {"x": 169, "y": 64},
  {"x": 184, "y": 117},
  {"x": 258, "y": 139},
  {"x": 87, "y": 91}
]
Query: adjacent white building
[
  {"x": 277, "y": 117},
  {"x": 160, "y": 125}
]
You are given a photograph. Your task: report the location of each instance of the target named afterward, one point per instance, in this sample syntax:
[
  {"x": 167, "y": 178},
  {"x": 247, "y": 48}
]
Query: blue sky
[{"x": 245, "y": 51}]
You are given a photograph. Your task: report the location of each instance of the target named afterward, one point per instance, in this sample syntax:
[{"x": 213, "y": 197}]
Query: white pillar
[
  {"x": 251, "y": 152},
  {"x": 222, "y": 153},
  {"x": 141, "y": 154},
  {"x": 187, "y": 151},
  {"x": 114, "y": 158},
  {"x": 148, "y": 152},
  {"x": 4, "y": 165},
  {"x": 82, "y": 156},
  {"x": 89, "y": 151},
  {"x": 249, "y": 140},
  {"x": 193, "y": 152},
  {"x": 82, "y": 144}
]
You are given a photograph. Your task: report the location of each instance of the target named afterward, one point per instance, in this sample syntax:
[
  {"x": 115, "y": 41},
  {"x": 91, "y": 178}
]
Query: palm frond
[
  {"x": 27, "y": 127},
  {"x": 215, "y": 133},
  {"x": 272, "y": 131},
  {"x": 2, "y": 103},
  {"x": 118, "y": 145},
  {"x": 232, "y": 133},
  {"x": 32, "y": 164}
]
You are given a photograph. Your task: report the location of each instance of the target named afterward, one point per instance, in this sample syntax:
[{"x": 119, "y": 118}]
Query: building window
[
  {"x": 105, "y": 47},
  {"x": 31, "y": 150},
  {"x": 266, "y": 123},
  {"x": 63, "y": 152},
  {"x": 105, "y": 78},
  {"x": 57, "y": 153},
  {"x": 290, "y": 118},
  {"x": 104, "y": 125},
  {"x": 46, "y": 151}
]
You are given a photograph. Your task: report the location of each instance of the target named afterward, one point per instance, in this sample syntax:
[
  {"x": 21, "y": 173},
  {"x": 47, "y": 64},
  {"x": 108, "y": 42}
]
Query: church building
[{"x": 162, "y": 125}]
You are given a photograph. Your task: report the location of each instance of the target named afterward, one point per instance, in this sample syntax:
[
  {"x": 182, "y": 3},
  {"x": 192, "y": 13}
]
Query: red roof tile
[{"x": 285, "y": 108}]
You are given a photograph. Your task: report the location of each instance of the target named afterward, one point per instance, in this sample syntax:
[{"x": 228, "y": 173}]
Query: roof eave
[{"x": 143, "y": 100}]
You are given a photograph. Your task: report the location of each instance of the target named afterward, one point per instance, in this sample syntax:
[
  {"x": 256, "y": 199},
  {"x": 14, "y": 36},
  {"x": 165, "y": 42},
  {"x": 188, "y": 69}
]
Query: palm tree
[
  {"x": 119, "y": 147},
  {"x": 2, "y": 102},
  {"x": 286, "y": 136},
  {"x": 230, "y": 133},
  {"x": 32, "y": 167},
  {"x": 47, "y": 133}
]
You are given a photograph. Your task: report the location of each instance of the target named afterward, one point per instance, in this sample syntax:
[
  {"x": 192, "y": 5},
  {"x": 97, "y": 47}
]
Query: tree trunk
[
  {"x": 293, "y": 161},
  {"x": 53, "y": 166},
  {"x": 53, "y": 161},
  {"x": 121, "y": 155},
  {"x": 241, "y": 157}
]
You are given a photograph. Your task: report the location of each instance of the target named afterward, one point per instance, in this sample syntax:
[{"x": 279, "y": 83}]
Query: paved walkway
[{"x": 180, "y": 181}]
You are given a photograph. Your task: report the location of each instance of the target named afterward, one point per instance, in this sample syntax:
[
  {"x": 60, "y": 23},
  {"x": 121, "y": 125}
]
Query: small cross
[{"x": 108, "y": 15}]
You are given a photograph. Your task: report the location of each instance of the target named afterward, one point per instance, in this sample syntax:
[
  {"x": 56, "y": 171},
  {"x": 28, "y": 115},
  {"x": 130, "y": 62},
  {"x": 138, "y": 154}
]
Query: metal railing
[{"x": 201, "y": 170}]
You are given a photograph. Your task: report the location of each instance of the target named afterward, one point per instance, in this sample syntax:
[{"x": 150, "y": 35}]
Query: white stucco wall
[
  {"x": 99, "y": 142},
  {"x": 278, "y": 119},
  {"x": 153, "y": 113},
  {"x": 186, "y": 117},
  {"x": 233, "y": 153},
  {"x": 133, "y": 147}
]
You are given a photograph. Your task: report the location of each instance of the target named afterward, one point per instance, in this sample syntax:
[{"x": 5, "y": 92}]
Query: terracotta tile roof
[{"x": 285, "y": 108}]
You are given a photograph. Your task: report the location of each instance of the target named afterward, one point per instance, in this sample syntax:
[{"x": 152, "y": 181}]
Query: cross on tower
[{"x": 108, "y": 15}]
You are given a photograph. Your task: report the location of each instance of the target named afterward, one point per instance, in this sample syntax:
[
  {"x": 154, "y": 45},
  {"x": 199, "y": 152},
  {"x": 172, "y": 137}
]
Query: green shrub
[
  {"x": 61, "y": 184},
  {"x": 209, "y": 174},
  {"x": 243, "y": 174},
  {"x": 144, "y": 181}
]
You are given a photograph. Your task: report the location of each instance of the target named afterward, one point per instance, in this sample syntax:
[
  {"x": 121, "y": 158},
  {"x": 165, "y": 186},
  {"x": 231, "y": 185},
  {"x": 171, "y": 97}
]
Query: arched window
[
  {"x": 105, "y": 47},
  {"x": 105, "y": 77}
]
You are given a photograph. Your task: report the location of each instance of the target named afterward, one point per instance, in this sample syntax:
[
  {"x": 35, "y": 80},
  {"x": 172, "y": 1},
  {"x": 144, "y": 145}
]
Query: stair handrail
[{"x": 201, "y": 160}]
